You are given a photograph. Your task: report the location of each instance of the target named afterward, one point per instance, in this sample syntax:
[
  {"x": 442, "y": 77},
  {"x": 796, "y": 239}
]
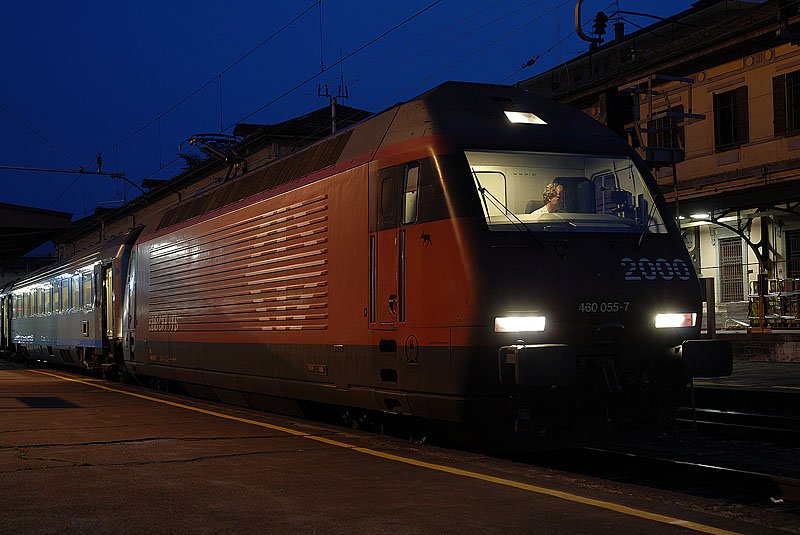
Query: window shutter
[
  {"x": 718, "y": 123},
  {"x": 742, "y": 120},
  {"x": 680, "y": 141},
  {"x": 779, "y": 104}
]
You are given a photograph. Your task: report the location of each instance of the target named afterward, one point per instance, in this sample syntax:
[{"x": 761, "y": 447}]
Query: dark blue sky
[{"x": 87, "y": 75}]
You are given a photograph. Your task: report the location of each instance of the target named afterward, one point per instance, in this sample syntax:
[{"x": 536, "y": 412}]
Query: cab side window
[
  {"x": 387, "y": 199},
  {"x": 410, "y": 190}
]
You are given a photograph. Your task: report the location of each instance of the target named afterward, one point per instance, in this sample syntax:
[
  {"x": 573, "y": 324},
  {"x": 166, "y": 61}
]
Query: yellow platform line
[{"x": 610, "y": 506}]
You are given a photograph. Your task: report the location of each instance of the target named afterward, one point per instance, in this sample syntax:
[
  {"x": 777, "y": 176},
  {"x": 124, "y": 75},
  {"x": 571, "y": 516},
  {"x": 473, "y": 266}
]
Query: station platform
[
  {"x": 759, "y": 375},
  {"x": 80, "y": 454},
  {"x": 757, "y": 395}
]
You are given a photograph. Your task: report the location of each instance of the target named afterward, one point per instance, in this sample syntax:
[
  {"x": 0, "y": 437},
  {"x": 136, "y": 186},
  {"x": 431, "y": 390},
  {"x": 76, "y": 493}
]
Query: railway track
[
  {"x": 740, "y": 424},
  {"x": 751, "y": 414},
  {"x": 670, "y": 469}
]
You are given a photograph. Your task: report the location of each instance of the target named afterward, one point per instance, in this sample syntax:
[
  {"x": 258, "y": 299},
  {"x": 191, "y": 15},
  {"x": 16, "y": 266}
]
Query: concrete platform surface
[
  {"x": 759, "y": 375},
  {"x": 82, "y": 455}
]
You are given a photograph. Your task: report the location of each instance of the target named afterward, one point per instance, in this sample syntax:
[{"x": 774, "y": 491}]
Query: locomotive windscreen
[{"x": 563, "y": 192}]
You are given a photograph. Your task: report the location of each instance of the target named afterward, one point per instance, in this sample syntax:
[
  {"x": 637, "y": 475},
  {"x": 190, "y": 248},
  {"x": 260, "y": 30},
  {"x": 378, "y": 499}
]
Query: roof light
[{"x": 523, "y": 117}]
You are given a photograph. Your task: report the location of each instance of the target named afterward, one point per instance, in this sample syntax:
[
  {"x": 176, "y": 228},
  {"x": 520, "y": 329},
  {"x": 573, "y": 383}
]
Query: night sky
[{"x": 94, "y": 76}]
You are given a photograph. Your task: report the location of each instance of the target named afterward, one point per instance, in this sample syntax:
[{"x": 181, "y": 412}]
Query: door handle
[{"x": 393, "y": 304}]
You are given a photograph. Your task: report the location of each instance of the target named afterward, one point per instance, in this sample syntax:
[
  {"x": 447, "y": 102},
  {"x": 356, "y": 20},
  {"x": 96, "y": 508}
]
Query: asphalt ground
[{"x": 80, "y": 455}]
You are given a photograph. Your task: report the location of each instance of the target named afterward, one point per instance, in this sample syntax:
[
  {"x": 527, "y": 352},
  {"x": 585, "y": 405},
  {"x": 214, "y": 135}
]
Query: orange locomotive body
[{"x": 410, "y": 265}]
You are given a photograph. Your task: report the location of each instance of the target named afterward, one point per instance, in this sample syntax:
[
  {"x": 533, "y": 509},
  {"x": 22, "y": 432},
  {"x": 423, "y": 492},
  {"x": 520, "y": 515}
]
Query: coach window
[
  {"x": 27, "y": 300},
  {"x": 56, "y": 296},
  {"x": 48, "y": 303},
  {"x": 65, "y": 306},
  {"x": 76, "y": 292},
  {"x": 38, "y": 299},
  {"x": 87, "y": 290},
  {"x": 410, "y": 189}
]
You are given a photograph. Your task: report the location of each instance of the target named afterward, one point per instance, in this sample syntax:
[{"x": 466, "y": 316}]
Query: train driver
[{"x": 551, "y": 195}]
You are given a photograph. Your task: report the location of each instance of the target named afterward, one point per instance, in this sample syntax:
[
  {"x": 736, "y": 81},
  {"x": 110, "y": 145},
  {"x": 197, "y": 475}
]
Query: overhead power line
[
  {"x": 452, "y": 40},
  {"x": 216, "y": 77},
  {"x": 476, "y": 51},
  {"x": 351, "y": 54},
  {"x": 32, "y": 129}
]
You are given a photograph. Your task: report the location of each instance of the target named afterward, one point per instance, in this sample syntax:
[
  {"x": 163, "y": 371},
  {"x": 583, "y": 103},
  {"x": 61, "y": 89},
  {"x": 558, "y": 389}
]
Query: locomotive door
[
  {"x": 393, "y": 199},
  {"x": 385, "y": 298}
]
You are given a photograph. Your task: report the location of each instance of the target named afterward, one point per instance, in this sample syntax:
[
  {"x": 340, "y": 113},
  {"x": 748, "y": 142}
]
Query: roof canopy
[{"x": 23, "y": 228}]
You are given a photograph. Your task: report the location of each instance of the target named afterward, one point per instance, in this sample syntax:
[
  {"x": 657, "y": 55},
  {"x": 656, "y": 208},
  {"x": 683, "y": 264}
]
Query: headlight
[
  {"x": 517, "y": 324},
  {"x": 671, "y": 321}
]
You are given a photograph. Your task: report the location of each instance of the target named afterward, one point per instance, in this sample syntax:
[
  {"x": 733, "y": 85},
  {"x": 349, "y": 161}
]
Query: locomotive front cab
[{"x": 588, "y": 289}]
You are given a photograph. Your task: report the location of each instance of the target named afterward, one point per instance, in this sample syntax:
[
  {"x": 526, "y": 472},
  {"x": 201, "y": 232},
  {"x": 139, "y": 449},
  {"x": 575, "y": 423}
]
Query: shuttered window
[
  {"x": 786, "y": 103},
  {"x": 731, "y": 123}
]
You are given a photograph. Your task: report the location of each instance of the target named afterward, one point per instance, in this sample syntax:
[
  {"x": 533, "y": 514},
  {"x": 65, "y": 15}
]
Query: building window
[
  {"x": 786, "y": 103},
  {"x": 730, "y": 267},
  {"x": 793, "y": 254},
  {"x": 731, "y": 127}
]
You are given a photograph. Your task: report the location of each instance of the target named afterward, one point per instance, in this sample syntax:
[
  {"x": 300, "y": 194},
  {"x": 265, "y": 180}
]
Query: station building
[{"x": 710, "y": 98}]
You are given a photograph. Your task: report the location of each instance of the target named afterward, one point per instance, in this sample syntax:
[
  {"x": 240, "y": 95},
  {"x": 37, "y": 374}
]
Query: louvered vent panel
[{"x": 265, "y": 273}]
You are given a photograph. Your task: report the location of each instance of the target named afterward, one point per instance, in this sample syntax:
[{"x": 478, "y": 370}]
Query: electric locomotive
[{"x": 478, "y": 256}]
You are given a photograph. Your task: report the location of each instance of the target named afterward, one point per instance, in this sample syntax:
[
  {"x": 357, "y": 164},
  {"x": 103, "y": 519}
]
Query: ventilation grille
[{"x": 264, "y": 273}]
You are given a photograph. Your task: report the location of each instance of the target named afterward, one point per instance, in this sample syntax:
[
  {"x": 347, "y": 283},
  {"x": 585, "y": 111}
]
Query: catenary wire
[
  {"x": 467, "y": 56},
  {"x": 32, "y": 129},
  {"x": 461, "y": 36},
  {"x": 349, "y": 55},
  {"x": 428, "y": 36},
  {"x": 214, "y": 78},
  {"x": 193, "y": 93}
]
